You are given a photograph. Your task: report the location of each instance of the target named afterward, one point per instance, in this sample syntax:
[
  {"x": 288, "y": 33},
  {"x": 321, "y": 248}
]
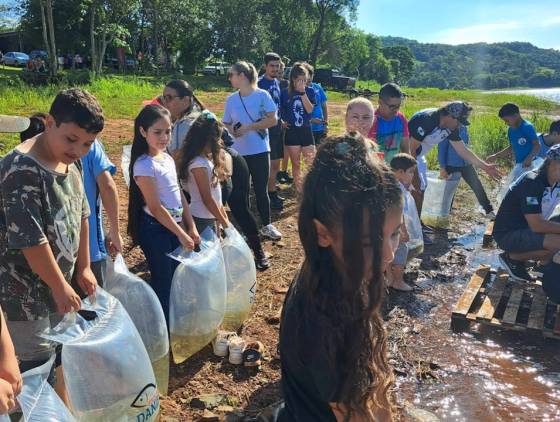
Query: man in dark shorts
[
  {"x": 523, "y": 227},
  {"x": 269, "y": 82}
]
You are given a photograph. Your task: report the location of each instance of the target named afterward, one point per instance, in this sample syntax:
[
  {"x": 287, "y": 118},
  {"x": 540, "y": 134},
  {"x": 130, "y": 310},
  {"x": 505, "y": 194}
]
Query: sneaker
[
  {"x": 261, "y": 260},
  {"x": 427, "y": 239},
  {"x": 271, "y": 232},
  {"x": 491, "y": 215},
  {"x": 221, "y": 343},
  {"x": 275, "y": 202},
  {"x": 236, "y": 348},
  {"x": 427, "y": 229},
  {"x": 516, "y": 269},
  {"x": 282, "y": 177}
]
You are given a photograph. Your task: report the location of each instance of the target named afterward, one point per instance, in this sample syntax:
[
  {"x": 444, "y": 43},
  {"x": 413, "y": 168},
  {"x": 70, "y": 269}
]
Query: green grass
[{"x": 121, "y": 98}]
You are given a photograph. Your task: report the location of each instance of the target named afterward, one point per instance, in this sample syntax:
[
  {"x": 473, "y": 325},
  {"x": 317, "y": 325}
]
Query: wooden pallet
[
  {"x": 487, "y": 239},
  {"x": 497, "y": 301}
]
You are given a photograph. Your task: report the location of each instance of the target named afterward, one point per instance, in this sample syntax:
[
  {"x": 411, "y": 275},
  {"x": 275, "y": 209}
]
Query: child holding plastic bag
[
  {"x": 201, "y": 167},
  {"x": 10, "y": 377},
  {"x": 332, "y": 341},
  {"x": 159, "y": 219},
  {"x": 403, "y": 166},
  {"x": 44, "y": 224}
]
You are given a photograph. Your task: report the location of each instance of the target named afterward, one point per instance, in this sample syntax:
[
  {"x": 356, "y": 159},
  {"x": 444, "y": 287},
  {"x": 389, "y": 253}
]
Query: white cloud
[
  {"x": 554, "y": 21},
  {"x": 486, "y": 32}
]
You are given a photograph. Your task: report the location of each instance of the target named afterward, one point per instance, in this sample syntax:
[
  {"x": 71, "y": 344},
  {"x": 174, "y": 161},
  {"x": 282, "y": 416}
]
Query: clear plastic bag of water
[
  {"x": 515, "y": 174},
  {"x": 125, "y": 163},
  {"x": 413, "y": 225},
  {"x": 438, "y": 199},
  {"x": 198, "y": 297},
  {"x": 38, "y": 400},
  {"x": 241, "y": 276},
  {"x": 107, "y": 370},
  {"x": 144, "y": 308}
]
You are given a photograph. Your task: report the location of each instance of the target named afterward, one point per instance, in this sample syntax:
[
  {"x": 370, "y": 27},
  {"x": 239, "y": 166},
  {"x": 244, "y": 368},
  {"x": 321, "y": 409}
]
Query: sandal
[{"x": 252, "y": 356}]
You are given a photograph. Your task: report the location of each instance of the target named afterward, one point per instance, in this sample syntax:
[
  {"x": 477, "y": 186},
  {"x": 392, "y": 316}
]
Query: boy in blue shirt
[
  {"x": 547, "y": 140},
  {"x": 320, "y": 115},
  {"x": 450, "y": 162},
  {"x": 100, "y": 189},
  {"x": 522, "y": 137}
]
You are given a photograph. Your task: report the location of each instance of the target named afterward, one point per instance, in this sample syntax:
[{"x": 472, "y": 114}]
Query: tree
[
  {"x": 402, "y": 62},
  {"x": 326, "y": 8},
  {"x": 48, "y": 35},
  {"x": 105, "y": 25}
]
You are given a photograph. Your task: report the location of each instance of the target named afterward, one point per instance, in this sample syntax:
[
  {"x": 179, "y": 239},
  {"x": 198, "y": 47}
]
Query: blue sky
[{"x": 462, "y": 22}]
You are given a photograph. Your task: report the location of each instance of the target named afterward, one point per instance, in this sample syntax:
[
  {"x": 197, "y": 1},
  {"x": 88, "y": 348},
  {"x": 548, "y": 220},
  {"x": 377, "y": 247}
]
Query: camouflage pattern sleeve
[{"x": 23, "y": 206}]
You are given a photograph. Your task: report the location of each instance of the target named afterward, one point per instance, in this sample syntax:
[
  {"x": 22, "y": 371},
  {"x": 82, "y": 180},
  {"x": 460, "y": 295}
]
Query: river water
[
  {"x": 485, "y": 374},
  {"x": 551, "y": 94}
]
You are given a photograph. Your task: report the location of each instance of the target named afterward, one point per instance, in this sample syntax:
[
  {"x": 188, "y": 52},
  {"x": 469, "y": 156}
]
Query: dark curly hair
[{"x": 349, "y": 190}]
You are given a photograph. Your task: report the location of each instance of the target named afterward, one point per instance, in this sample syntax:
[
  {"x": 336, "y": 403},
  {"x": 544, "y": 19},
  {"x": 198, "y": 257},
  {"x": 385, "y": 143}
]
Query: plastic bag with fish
[
  {"x": 241, "y": 276},
  {"x": 107, "y": 369},
  {"x": 144, "y": 308},
  {"x": 198, "y": 297},
  {"x": 125, "y": 163},
  {"x": 38, "y": 400},
  {"x": 413, "y": 225},
  {"x": 438, "y": 198}
]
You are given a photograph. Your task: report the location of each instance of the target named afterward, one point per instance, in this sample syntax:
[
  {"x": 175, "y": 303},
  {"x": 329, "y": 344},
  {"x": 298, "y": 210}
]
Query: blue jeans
[{"x": 156, "y": 241}]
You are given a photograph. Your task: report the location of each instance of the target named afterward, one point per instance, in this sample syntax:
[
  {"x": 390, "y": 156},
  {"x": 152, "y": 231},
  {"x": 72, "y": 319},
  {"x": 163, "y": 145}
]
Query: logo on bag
[
  {"x": 421, "y": 131},
  {"x": 531, "y": 200},
  {"x": 148, "y": 398},
  {"x": 522, "y": 141}
]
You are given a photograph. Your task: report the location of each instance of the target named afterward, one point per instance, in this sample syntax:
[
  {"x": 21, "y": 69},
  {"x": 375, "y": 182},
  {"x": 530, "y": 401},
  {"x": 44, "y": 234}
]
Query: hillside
[{"x": 481, "y": 65}]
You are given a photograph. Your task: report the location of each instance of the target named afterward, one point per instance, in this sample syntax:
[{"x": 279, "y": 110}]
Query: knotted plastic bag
[
  {"x": 198, "y": 297},
  {"x": 438, "y": 199},
  {"x": 107, "y": 369},
  {"x": 413, "y": 225},
  {"x": 125, "y": 163},
  {"x": 38, "y": 400},
  {"x": 241, "y": 276},
  {"x": 144, "y": 308}
]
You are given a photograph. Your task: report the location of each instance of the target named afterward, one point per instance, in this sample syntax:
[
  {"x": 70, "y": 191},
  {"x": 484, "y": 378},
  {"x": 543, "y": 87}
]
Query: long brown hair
[
  {"x": 205, "y": 130},
  {"x": 348, "y": 189},
  {"x": 298, "y": 69},
  {"x": 145, "y": 119}
]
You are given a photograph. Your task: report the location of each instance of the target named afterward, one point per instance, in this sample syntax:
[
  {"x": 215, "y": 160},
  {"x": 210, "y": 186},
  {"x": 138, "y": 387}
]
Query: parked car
[
  {"x": 216, "y": 68},
  {"x": 14, "y": 58},
  {"x": 333, "y": 79},
  {"x": 38, "y": 53}
]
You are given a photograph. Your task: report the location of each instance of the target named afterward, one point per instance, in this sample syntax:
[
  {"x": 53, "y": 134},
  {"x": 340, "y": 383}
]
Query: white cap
[{"x": 13, "y": 124}]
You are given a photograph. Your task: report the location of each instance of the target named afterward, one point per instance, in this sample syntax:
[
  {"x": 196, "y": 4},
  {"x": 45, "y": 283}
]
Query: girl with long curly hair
[{"x": 332, "y": 340}]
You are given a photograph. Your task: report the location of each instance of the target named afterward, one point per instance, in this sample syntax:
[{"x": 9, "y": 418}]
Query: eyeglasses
[
  {"x": 393, "y": 107},
  {"x": 168, "y": 98}
]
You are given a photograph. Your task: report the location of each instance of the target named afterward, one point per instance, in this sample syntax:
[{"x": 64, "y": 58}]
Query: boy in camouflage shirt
[{"x": 43, "y": 224}]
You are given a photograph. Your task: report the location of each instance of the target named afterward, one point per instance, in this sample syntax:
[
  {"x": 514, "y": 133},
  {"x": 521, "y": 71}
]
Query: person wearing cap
[
  {"x": 431, "y": 126},
  {"x": 524, "y": 228}
]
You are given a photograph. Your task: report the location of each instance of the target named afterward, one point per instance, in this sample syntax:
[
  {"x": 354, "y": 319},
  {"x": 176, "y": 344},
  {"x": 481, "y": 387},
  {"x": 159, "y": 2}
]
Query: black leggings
[
  {"x": 237, "y": 195},
  {"x": 259, "y": 168}
]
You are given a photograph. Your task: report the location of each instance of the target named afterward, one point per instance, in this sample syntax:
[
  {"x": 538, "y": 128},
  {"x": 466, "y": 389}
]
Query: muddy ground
[{"x": 437, "y": 275}]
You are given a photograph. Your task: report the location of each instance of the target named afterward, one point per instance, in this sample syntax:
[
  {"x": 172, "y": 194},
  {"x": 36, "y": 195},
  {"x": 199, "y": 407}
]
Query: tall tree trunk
[
  {"x": 50, "y": 23},
  {"x": 53, "y": 60},
  {"x": 318, "y": 35},
  {"x": 92, "y": 40}
]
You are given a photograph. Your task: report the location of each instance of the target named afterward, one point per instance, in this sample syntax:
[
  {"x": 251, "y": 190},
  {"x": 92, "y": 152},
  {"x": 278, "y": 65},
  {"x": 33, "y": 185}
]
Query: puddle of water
[{"x": 487, "y": 375}]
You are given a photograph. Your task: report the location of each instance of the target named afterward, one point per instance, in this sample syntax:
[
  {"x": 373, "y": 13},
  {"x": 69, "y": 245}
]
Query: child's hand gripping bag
[
  {"x": 413, "y": 225},
  {"x": 107, "y": 370},
  {"x": 38, "y": 400},
  {"x": 125, "y": 163},
  {"x": 144, "y": 308},
  {"x": 198, "y": 297},
  {"x": 241, "y": 276},
  {"x": 438, "y": 198}
]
